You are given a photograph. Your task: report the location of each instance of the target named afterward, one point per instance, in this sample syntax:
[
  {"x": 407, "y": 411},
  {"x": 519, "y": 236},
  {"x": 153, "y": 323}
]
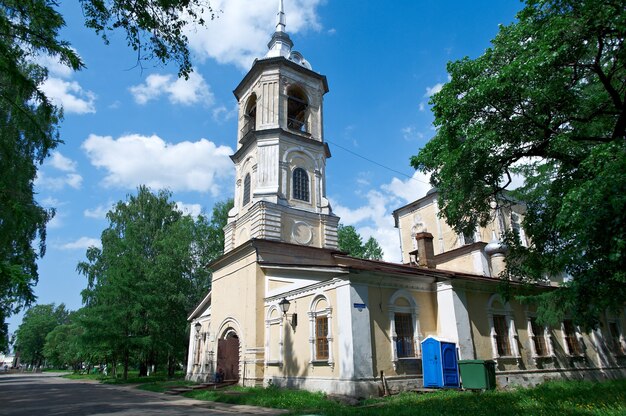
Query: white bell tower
[{"x": 280, "y": 188}]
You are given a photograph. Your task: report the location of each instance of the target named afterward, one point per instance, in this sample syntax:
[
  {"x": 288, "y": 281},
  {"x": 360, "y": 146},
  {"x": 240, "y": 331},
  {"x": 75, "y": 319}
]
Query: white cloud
[
  {"x": 374, "y": 219},
  {"x": 59, "y": 162},
  {"x": 222, "y": 114},
  {"x": 133, "y": 160},
  {"x": 189, "y": 209},
  {"x": 69, "y": 95},
  {"x": 411, "y": 133},
  {"x": 55, "y": 67},
  {"x": 99, "y": 212},
  {"x": 178, "y": 90},
  {"x": 82, "y": 243},
  {"x": 422, "y": 107},
  {"x": 243, "y": 28},
  {"x": 430, "y": 91},
  {"x": 61, "y": 90},
  {"x": 408, "y": 189}
]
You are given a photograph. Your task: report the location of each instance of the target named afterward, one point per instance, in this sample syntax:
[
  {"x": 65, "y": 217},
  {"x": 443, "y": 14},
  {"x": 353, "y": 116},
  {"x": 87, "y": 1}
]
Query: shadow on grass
[{"x": 555, "y": 398}]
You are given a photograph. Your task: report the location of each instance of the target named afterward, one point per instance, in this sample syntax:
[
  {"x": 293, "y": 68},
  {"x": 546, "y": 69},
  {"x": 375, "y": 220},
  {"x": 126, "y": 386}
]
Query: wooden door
[{"x": 228, "y": 357}]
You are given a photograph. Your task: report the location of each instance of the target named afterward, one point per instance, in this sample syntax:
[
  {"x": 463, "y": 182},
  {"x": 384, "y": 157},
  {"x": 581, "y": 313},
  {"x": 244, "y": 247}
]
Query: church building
[{"x": 288, "y": 308}]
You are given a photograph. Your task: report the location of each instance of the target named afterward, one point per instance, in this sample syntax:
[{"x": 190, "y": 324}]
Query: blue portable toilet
[{"x": 440, "y": 366}]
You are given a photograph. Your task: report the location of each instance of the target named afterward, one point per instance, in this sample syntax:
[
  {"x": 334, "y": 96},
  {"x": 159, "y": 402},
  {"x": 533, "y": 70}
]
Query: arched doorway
[{"x": 228, "y": 354}]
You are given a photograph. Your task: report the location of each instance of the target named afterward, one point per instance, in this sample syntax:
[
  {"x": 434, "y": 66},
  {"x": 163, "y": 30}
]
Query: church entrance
[{"x": 228, "y": 355}]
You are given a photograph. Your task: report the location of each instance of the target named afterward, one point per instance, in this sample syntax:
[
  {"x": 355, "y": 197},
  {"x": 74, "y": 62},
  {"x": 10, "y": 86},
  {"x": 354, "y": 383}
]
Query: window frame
[
  {"x": 314, "y": 313},
  {"x": 247, "y": 190},
  {"x": 269, "y": 322},
  {"x": 572, "y": 341},
  {"x": 510, "y": 330},
  {"x": 544, "y": 334},
  {"x": 618, "y": 343},
  {"x": 413, "y": 311},
  {"x": 300, "y": 185}
]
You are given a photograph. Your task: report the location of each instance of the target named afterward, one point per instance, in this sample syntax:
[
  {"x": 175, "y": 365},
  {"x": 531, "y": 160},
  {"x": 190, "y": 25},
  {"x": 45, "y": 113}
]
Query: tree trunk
[
  {"x": 126, "y": 364},
  {"x": 143, "y": 369}
]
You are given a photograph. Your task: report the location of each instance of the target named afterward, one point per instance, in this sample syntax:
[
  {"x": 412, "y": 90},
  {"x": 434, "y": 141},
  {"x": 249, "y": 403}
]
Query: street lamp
[
  {"x": 198, "y": 325},
  {"x": 284, "y": 307}
]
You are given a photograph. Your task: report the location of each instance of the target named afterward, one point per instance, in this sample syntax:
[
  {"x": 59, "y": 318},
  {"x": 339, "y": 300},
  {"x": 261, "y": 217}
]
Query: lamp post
[{"x": 284, "y": 307}]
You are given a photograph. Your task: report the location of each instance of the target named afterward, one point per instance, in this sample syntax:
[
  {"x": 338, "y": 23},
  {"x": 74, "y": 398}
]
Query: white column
[{"x": 454, "y": 322}]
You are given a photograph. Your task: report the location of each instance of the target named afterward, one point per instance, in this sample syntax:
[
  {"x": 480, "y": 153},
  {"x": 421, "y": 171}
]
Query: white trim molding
[
  {"x": 512, "y": 335},
  {"x": 412, "y": 309}
]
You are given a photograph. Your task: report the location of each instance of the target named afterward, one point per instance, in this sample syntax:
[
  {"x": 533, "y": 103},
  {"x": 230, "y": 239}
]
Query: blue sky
[{"x": 125, "y": 125}]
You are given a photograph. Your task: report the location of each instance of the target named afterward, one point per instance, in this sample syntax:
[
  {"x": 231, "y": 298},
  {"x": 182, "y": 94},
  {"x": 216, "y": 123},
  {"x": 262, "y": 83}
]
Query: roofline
[
  {"x": 200, "y": 307},
  {"x": 259, "y": 64}
]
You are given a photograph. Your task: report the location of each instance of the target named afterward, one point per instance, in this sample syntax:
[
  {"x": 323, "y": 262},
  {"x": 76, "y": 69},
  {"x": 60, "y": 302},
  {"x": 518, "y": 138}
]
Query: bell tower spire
[
  {"x": 280, "y": 162},
  {"x": 280, "y": 24}
]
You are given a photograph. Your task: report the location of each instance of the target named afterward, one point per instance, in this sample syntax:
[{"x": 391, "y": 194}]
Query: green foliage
[
  {"x": 63, "y": 346},
  {"x": 548, "y": 101},
  {"x": 150, "y": 272},
  {"x": 155, "y": 29},
  {"x": 351, "y": 242},
  {"x": 29, "y": 122},
  {"x": 28, "y": 132},
  {"x": 38, "y": 322}
]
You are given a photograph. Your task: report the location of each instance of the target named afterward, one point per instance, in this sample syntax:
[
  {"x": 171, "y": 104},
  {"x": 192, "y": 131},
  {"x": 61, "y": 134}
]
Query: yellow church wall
[
  {"x": 380, "y": 324},
  {"x": 463, "y": 263},
  {"x": 296, "y": 344},
  {"x": 237, "y": 296}
]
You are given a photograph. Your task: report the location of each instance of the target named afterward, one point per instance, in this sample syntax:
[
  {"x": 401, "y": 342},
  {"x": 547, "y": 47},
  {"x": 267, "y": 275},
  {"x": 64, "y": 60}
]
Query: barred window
[
  {"x": 502, "y": 335},
  {"x": 539, "y": 338},
  {"x": 321, "y": 338},
  {"x": 300, "y": 184},
  {"x": 246, "y": 190},
  {"x": 571, "y": 339},
  {"x": 404, "y": 331}
]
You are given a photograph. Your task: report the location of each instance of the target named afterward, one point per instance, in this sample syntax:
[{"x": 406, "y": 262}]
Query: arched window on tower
[
  {"x": 297, "y": 109},
  {"x": 246, "y": 190},
  {"x": 300, "y": 184},
  {"x": 249, "y": 116}
]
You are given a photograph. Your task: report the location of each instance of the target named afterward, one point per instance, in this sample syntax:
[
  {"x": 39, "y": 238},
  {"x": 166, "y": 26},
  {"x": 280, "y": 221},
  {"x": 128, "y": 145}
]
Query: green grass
[
  {"x": 162, "y": 386},
  {"x": 133, "y": 378},
  {"x": 569, "y": 398}
]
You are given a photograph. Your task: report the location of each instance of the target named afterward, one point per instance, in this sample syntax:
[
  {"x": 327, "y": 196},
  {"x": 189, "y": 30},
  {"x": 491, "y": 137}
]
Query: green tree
[
  {"x": 64, "y": 347},
  {"x": 351, "y": 242},
  {"x": 548, "y": 101},
  {"x": 38, "y": 322},
  {"x": 150, "y": 272},
  {"x": 29, "y": 122}
]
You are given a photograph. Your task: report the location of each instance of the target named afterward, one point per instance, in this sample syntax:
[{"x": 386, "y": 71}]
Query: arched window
[
  {"x": 297, "y": 106},
  {"x": 300, "y": 184},
  {"x": 246, "y": 190},
  {"x": 502, "y": 329},
  {"x": 404, "y": 327},
  {"x": 250, "y": 116},
  {"x": 320, "y": 335}
]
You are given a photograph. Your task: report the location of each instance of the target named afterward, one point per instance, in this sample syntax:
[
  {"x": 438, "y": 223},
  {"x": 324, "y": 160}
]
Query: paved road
[{"x": 47, "y": 394}]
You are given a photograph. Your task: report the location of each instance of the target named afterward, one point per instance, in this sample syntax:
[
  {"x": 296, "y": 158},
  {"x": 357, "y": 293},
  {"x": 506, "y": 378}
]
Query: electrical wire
[{"x": 376, "y": 163}]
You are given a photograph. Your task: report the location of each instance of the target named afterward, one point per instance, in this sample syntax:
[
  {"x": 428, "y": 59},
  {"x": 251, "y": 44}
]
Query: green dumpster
[{"x": 478, "y": 374}]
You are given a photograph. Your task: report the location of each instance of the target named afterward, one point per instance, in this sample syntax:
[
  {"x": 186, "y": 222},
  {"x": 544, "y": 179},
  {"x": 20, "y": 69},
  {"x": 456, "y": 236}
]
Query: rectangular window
[
  {"x": 321, "y": 338},
  {"x": 573, "y": 346},
  {"x": 404, "y": 331},
  {"x": 618, "y": 348},
  {"x": 539, "y": 338},
  {"x": 502, "y": 335}
]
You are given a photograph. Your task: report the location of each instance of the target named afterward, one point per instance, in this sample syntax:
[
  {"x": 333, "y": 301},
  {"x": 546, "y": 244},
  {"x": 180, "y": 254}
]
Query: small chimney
[{"x": 425, "y": 250}]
